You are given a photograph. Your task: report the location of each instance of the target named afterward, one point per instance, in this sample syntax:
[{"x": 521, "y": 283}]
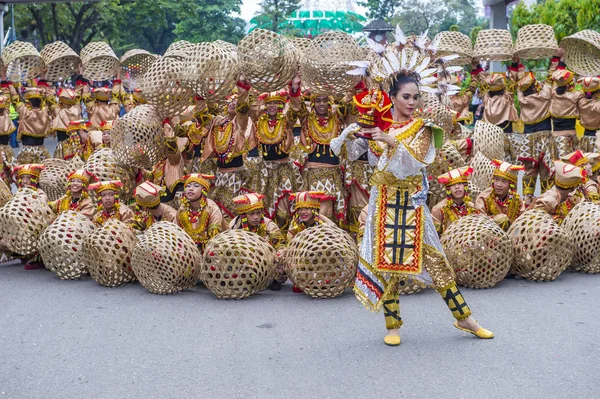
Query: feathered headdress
[{"x": 412, "y": 56}]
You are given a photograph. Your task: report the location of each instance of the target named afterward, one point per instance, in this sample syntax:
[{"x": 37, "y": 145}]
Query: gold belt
[{"x": 388, "y": 179}]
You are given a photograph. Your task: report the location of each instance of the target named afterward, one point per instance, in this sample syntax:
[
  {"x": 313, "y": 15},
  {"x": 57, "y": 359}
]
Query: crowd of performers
[{"x": 264, "y": 162}]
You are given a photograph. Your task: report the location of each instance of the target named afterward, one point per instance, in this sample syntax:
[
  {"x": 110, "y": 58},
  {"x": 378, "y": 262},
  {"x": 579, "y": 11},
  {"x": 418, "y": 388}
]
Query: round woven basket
[
  {"x": 583, "y": 225},
  {"x": 535, "y": 42},
  {"x": 104, "y": 165},
  {"x": 488, "y": 139},
  {"x": 455, "y": 43},
  {"x": 61, "y": 245},
  {"x": 268, "y": 60},
  {"x": 436, "y": 111},
  {"x": 582, "y": 52},
  {"x": 179, "y": 49},
  {"x": 99, "y": 61},
  {"x": 321, "y": 261},
  {"x": 22, "y": 61},
  {"x": 232, "y": 48},
  {"x": 211, "y": 70},
  {"x": 483, "y": 171},
  {"x": 479, "y": 251},
  {"x": 61, "y": 61},
  {"x": 107, "y": 253},
  {"x": 134, "y": 64},
  {"x": 237, "y": 264},
  {"x": 494, "y": 45},
  {"x": 5, "y": 193},
  {"x": 325, "y": 63},
  {"x": 166, "y": 260},
  {"x": 164, "y": 88},
  {"x": 542, "y": 248},
  {"x": 302, "y": 44},
  {"x": 137, "y": 139},
  {"x": 22, "y": 220},
  {"x": 53, "y": 179}
]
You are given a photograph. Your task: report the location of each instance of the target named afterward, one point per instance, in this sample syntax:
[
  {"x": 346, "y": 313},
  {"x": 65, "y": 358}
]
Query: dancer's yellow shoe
[
  {"x": 392, "y": 340},
  {"x": 481, "y": 333}
]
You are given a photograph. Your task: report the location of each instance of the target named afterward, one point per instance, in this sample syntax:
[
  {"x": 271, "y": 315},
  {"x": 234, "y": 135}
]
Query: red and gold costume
[
  {"x": 448, "y": 211},
  {"x": 119, "y": 211},
  {"x": 564, "y": 109},
  {"x": 589, "y": 113},
  {"x": 205, "y": 222},
  {"x": 67, "y": 110},
  {"x": 267, "y": 229},
  {"x": 82, "y": 204},
  {"x": 589, "y": 188},
  {"x": 147, "y": 197},
  {"x": 506, "y": 210},
  {"x": 77, "y": 143},
  {"x": 310, "y": 200},
  {"x": 560, "y": 199},
  {"x": 33, "y": 171},
  {"x": 102, "y": 103}
]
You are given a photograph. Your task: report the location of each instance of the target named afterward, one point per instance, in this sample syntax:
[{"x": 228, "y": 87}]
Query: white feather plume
[
  {"x": 400, "y": 36},
  {"x": 421, "y": 40},
  {"x": 376, "y": 47}
]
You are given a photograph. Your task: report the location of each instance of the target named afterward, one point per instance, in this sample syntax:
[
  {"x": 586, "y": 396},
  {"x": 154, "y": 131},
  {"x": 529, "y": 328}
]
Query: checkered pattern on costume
[
  {"x": 563, "y": 145},
  {"x": 32, "y": 154},
  {"x": 588, "y": 144},
  {"x": 519, "y": 143},
  {"x": 282, "y": 179},
  {"x": 257, "y": 173},
  {"x": 455, "y": 302},
  {"x": 399, "y": 237},
  {"x": 329, "y": 181},
  {"x": 227, "y": 186}
]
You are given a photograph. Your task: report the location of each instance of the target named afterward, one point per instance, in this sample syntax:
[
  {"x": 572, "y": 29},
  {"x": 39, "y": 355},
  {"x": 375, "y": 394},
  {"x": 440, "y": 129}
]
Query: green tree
[
  {"x": 273, "y": 13},
  {"x": 381, "y": 9}
]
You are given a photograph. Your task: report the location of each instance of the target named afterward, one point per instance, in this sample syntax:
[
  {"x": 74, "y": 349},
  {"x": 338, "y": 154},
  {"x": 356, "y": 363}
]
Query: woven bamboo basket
[
  {"x": 61, "y": 61},
  {"x": 53, "y": 179},
  {"x": 137, "y": 139},
  {"x": 237, "y": 264},
  {"x": 448, "y": 158},
  {"x": 535, "y": 42},
  {"x": 166, "y": 260},
  {"x": 436, "y": 111},
  {"x": 179, "y": 49},
  {"x": 134, "y": 64},
  {"x": 494, "y": 45},
  {"x": 455, "y": 43},
  {"x": 22, "y": 220},
  {"x": 325, "y": 63},
  {"x": 61, "y": 245},
  {"x": 107, "y": 252},
  {"x": 99, "y": 61},
  {"x": 582, "y": 52},
  {"x": 5, "y": 193},
  {"x": 302, "y": 44},
  {"x": 489, "y": 140},
  {"x": 583, "y": 225},
  {"x": 478, "y": 250},
  {"x": 268, "y": 60},
  {"x": 230, "y": 47},
  {"x": 164, "y": 88},
  {"x": 483, "y": 171},
  {"x": 211, "y": 70},
  {"x": 22, "y": 61},
  {"x": 542, "y": 248},
  {"x": 321, "y": 261},
  {"x": 104, "y": 165}
]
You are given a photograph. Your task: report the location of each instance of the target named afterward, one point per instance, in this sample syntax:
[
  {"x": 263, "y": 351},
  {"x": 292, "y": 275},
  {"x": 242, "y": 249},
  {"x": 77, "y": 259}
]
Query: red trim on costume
[
  {"x": 116, "y": 81},
  {"x": 245, "y": 86},
  {"x": 469, "y": 146},
  {"x": 224, "y": 209}
]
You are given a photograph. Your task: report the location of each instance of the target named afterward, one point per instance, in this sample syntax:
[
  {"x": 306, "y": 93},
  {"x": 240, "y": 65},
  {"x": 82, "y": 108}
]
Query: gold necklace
[
  {"x": 270, "y": 135},
  {"x": 224, "y": 138},
  {"x": 322, "y": 134}
]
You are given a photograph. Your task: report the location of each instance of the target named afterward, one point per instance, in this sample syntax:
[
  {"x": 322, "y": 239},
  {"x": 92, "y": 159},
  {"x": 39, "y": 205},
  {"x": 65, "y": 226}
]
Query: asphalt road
[{"x": 76, "y": 339}]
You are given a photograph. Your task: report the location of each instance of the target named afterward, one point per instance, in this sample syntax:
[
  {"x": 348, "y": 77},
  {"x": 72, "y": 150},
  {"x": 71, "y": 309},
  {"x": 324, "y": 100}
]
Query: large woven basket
[
  {"x": 61, "y": 61},
  {"x": 61, "y": 245},
  {"x": 535, "y": 42},
  {"x": 489, "y": 140},
  {"x": 478, "y": 250},
  {"x": 164, "y": 88},
  {"x": 232, "y": 48},
  {"x": 583, "y": 225},
  {"x": 325, "y": 63},
  {"x": 436, "y": 111},
  {"x": 137, "y": 139},
  {"x": 105, "y": 166},
  {"x": 5, "y": 193},
  {"x": 99, "y": 61},
  {"x": 166, "y": 260},
  {"x": 268, "y": 60},
  {"x": 134, "y": 64},
  {"x": 179, "y": 49},
  {"x": 22, "y": 220},
  {"x": 302, "y": 44},
  {"x": 211, "y": 70},
  {"x": 483, "y": 171},
  {"x": 542, "y": 248},
  {"x": 582, "y": 52},
  {"x": 237, "y": 264},
  {"x": 53, "y": 179},
  {"x": 455, "y": 43},
  {"x": 494, "y": 45},
  {"x": 22, "y": 61},
  {"x": 107, "y": 253},
  {"x": 321, "y": 261}
]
